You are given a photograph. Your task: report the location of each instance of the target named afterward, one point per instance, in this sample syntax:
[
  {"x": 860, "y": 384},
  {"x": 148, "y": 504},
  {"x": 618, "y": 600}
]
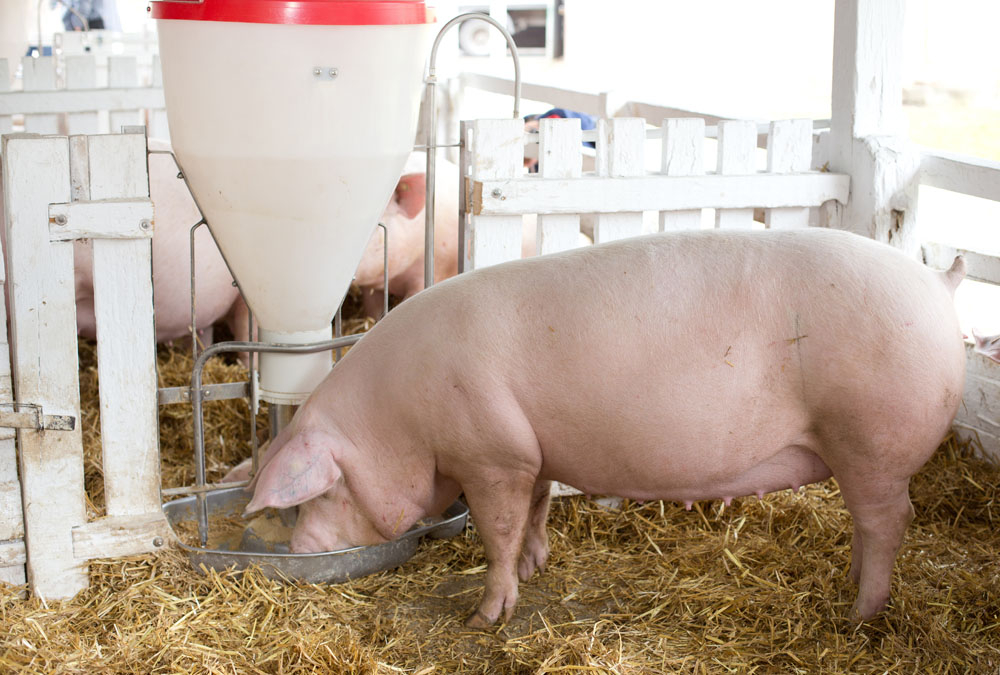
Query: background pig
[
  {"x": 681, "y": 366},
  {"x": 174, "y": 214},
  {"x": 404, "y": 218}
]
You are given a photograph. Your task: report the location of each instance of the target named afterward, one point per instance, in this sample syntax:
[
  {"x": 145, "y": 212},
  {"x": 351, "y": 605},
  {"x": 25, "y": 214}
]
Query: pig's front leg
[
  {"x": 499, "y": 505},
  {"x": 535, "y": 551}
]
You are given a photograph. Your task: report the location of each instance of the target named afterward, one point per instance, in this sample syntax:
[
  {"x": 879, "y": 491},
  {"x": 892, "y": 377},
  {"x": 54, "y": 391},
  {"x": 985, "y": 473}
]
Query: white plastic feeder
[{"x": 292, "y": 120}]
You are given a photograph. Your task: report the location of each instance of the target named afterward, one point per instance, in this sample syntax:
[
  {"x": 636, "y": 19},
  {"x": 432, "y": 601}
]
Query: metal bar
[
  {"x": 34, "y": 419},
  {"x": 194, "y": 327},
  {"x": 338, "y": 329},
  {"x": 385, "y": 270},
  {"x": 431, "y": 134},
  {"x": 197, "y": 400},
  {"x": 209, "y": 392},
  {"x": 193, "y": 489}
]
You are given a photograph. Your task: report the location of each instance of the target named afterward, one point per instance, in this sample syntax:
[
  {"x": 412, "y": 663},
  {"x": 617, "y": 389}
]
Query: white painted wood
[
  {"x": 559, "y": 156},
  {"x": 36, "y": 102},
  {"x": 6, "y": 121},
  {"x": 11, "y": 516},
  {"x": 12, "y": 558},
  {"x": 105, "y": 219},
  {"x": 657, "y": 193},
  {"x": 38, "y": 74},
  {"x": 619, "y": 154},
  {"x": 979, "y": 415},
  {"x": 789, "y": 150},
  {"x": 960, "y": 173},
  {"x": 683, "y": 147},
  {"x": 81, "y": 73},
  {"x": 113, "y": 537},
  {"x": 979, "y": 266},
  {"x": 497, "y": 153},
  {"x": 123, "y": 73},
  {"x": 126, "y": 350},
  {"x": 737, "y": 146},
  {"x": 158, "y": 125},
  {"x": 42, "y": 299}
]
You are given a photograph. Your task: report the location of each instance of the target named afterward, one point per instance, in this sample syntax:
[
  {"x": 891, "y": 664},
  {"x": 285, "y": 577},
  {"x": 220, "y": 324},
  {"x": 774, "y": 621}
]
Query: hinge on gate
[{"x": 30, "y": 416}]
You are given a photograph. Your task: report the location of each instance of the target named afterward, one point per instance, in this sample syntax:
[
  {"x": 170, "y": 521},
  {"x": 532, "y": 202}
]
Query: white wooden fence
[
  {"x": 63, "y": 95},
  {"x": 59, "y": 190}
]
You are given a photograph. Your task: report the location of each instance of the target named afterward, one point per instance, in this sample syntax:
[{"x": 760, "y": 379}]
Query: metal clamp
[{"x": 31, "y": 417}]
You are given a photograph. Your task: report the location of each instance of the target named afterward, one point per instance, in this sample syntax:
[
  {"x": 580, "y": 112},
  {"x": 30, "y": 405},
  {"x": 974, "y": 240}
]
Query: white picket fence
[
  {"x": 59, "y": 190},
  {"x": 499, "y": 193},
  {"x": 64, "y": 94}
]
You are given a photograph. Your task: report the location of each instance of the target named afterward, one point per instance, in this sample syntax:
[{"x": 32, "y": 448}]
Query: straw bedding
[{"x": 755, "y": 587}]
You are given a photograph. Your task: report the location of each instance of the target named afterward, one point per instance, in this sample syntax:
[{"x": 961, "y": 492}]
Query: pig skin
[{"x": 678, "y": 366}]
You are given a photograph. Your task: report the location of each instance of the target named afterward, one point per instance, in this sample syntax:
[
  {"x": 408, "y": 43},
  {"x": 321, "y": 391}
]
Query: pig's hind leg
[
  {"x": 535, "y": 550},
  {"x": 881, "y": 513}
]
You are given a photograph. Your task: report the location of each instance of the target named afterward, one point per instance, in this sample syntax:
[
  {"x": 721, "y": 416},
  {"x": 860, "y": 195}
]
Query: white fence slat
[
  {"x": 11, "y": 517},
  {"x": 683, "y": 147},
  {"x": 979, "y": 266},
  {"x": 126, "y": 350},
  {"x": 42, "y": 298},
  {"x": 497, "y": 153},
  {"x": 6, "y": 121},
  {"x": 620, "y": 144},
  {"x": 560, "y": 155},
  {"x": 39, "y": 74},
  {"x": 123, "y": 73},
  {"x": 158, "y": 127},
  {"x": 654, "y": 192},
  {"x": 81, "y": 73},
  {"x": 737, "y": 145},
  {"x": 789, "y": 150}
]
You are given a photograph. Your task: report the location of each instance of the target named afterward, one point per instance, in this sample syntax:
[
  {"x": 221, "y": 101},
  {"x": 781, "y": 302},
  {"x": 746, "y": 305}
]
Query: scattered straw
[{"x": 755, "y": 587}]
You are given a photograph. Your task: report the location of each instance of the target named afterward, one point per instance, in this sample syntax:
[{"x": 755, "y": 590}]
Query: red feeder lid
[{"x": 311, "y": 12}]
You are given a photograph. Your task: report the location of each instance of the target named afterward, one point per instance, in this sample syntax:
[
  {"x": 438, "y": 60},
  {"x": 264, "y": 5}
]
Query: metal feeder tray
[{"x": 329, "y": 567}]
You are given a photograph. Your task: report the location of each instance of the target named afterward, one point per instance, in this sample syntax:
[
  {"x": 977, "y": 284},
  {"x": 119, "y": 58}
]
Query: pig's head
[
  {"x": 404, "y": 219},
  {"x": 304, "y": 472}
]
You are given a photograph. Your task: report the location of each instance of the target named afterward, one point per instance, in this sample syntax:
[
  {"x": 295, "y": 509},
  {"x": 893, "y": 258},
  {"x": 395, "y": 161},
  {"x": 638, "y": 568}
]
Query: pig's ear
[
  {"x": 411, "y": 193},
  {"x": 988, "y": 346},
  {"x": 304, "y": 468}
]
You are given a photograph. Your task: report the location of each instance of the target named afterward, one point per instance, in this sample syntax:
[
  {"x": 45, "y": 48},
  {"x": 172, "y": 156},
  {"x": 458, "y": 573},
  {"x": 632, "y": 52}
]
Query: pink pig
[{"x": 680, "y": 366}]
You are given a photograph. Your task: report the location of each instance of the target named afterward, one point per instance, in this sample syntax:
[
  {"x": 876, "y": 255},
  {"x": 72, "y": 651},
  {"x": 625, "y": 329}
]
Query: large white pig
[{"x": 681, "y": 366}]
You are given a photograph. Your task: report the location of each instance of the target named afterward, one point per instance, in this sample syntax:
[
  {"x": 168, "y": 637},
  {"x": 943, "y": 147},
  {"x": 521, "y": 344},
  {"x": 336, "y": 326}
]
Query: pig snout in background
[
  {"x": 174, "y": 212},
  {"x": 404, "y": 219},
  {"x": 680, "y": 366}
]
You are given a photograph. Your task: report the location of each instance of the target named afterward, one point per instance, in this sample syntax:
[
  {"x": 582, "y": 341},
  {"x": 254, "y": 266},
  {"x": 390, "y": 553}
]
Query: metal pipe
[
  {"x": 197, "y": 402},
  {"x": 194, "y": 325},
  {"x": 279, "y": 414},
  {"x": 385, "y": 270},
  {"x": 431, "y": 134}
]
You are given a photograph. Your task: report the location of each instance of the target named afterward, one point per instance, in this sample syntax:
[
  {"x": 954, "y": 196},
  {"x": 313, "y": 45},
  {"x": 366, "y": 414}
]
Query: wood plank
[
  {"x": 619, "y": 154},
  {"x": 12, "y": 556},
  {"x": 37, "y": 102},
  {"x": 737, "y": 147},
  {"x": 497, "y": 153},
  {"x": 789, "y": 150},
  {"x": 126, "y": 350},
  {"x": 560, "y": 156},
  {"x": 6, "y": 121},
  {"x": 683, "y": 147},
  {"x": 38, "y": 75},
  {"x": 158, "y": 125},
  {"x": 115, "y": 537},
  {"x": 656, "y": 193},
  {"x": 960, "y": 173},
  {"x": 43, "y": 335},
  {"x": 81, "y": 73},
  {"x": 123, "y": 73},
  {"x": 105, "y": 219}
]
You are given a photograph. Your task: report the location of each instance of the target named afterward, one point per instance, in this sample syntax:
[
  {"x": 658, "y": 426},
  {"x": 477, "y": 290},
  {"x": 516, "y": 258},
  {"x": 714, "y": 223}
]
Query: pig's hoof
[
  {"x": 531, "y": 559},
  {"x": 862, "y": 612},
  {"x": 478, "y": 621}
]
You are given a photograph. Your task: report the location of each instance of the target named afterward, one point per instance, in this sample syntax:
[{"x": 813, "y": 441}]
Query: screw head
[
  {"x": 158, "y": 542},
  {"x": 60, "y": 219},
  {"x": 317, "y": 71},
  {"x": 145, "y": 224},
  {"x": 497, "y": 192},
  {"x": 334, "y": 72}
]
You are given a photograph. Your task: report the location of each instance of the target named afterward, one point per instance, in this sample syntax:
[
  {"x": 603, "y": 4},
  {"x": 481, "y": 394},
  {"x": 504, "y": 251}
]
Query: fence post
[
  {"x": 620, "y": 144},
  {"x": 39, "y": 74},
  {"x": 497, "y": 153},
  {"x": 559, "y": 156},
  {"x": 683, "y": 148},
  {"x": 81, "y": 73},
  {"x": 737, "y": 146},
  {"x": 123, "y": 73},
  {"x": 46, "y": 370},
  {"x": 6, "y": 121},
  {"x": 789, "y": 150}
]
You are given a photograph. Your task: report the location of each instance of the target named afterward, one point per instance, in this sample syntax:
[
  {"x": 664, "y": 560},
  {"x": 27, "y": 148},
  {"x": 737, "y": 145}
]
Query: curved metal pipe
[{"x": 431, "y": 135}]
